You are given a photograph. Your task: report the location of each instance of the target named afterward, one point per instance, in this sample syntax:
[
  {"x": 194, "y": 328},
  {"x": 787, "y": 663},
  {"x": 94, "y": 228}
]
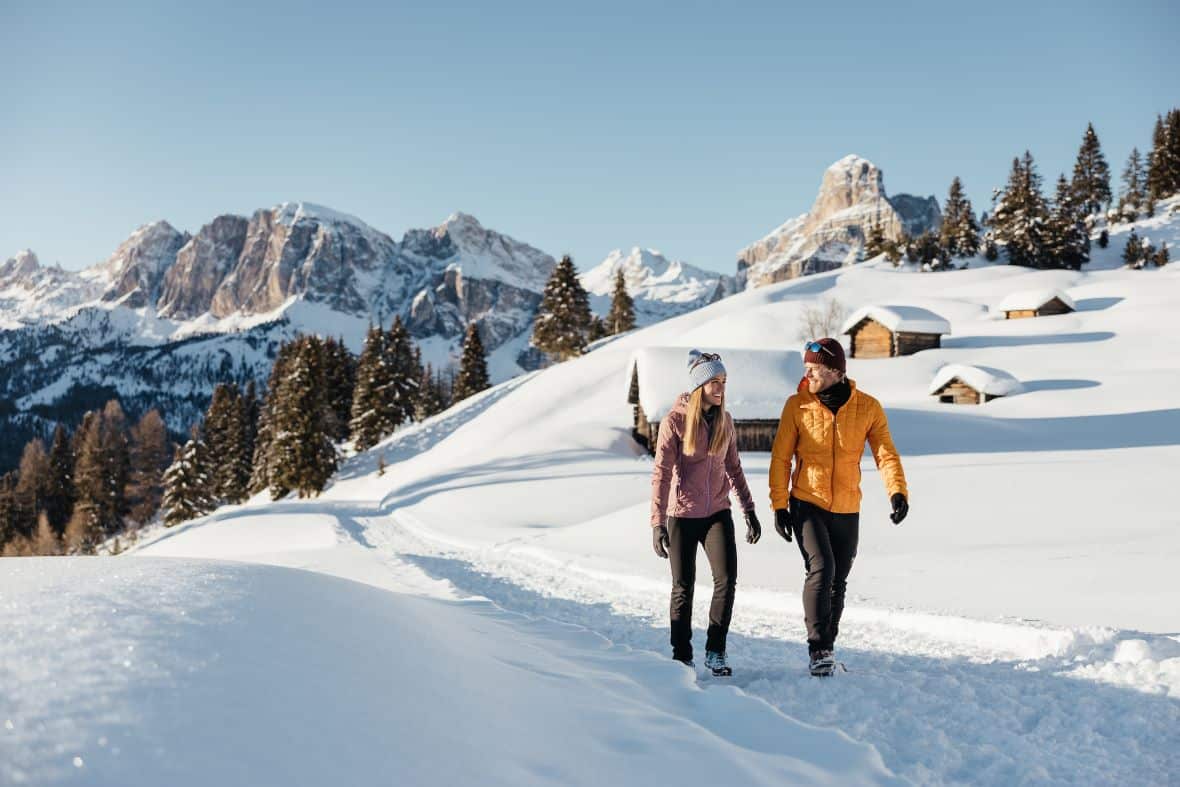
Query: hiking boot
[
  {"x": 686, "y": 661},
  {"x": 822, "y": 663},
  {"x": 718, "y": 663}
]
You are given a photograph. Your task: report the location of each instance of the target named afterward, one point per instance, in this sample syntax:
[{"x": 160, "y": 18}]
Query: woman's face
[{"x": 714, "y": 390}]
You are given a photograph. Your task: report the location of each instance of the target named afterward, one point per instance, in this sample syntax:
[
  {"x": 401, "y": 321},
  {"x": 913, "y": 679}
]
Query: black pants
[
  {"x": 827, "y": 542},
  {"x": 715, "y": 533}
]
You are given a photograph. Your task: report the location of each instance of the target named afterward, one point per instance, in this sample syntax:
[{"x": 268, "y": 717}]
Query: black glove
[
  {"x": 782, "y": 522},
  {"x": 900, "y": 507},
  {"x": 659, "y": 540},
  {"x": 753, "y": 529}
]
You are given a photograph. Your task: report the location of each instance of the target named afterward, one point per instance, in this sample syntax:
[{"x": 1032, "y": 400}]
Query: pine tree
[
  {"x": 340, "y": 371},
  {"x": 372, "y": 376},
  {"x": 1067, "y": 242},
  {"x": 186, "y": 483},
  {"x": 1132, "y": 252},
  {"x": 1103, "y": 239},
  {"x": 1172, "y": 139},
  {"x": 621, "y": 317},
  {"x": 1134, "y": 188},
  {"x": 7, "y": 507},
  {"x": 302, "y": 457},
  {"x": 473, "y": 367},
  {"x": 563, "y": 318},
  {"x": 1162, "y": 256},
  {"x": 430, "y": 398},
  {"x": 875, "y": 239},
  {"x": 149, "y": 458},
  {"x": 1020, "y": 218},
  {"x": 33, "y": 488},
  {"x": 397, "y": 399},
  {"x": 927, "y": 251},
  {"x": 222, "y": 431},
  {"x": 1160, "y": 164},
  {"x": 259, "y": 479},
  {"x": 1091, "y": 175},
  {"x": 100, "y": 474},
  {"x": 60, "y": 503},
  {"x": 45, "y": 541},
  {"x": 959, "y": 234}
]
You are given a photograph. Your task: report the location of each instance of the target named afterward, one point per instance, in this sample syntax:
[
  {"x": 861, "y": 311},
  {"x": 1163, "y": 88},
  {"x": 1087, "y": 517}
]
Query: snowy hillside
[
  {"x": 1019, "y": 627},
  {"x": 660, "y": 287}
]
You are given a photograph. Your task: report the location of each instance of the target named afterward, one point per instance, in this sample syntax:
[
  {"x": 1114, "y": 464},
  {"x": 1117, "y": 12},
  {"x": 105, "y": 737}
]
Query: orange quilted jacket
[{"x": 826, "y": 450}]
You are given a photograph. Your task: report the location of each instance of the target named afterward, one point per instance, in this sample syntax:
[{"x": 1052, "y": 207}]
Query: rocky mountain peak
[
  {"x": 851, "y": 199},
  {"x": 137, "y": 268},
  {"x": 23, "y": 264}
]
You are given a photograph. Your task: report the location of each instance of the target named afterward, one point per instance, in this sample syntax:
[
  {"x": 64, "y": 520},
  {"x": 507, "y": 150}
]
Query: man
[{"x": 823, "y": 428}]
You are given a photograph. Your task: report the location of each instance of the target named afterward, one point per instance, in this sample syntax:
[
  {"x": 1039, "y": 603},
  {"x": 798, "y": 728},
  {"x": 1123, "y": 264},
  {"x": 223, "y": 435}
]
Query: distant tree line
[
  {"x": 1032, "y": 230},
  {"x": 108, "y": 479},
  {"x": 98, "y": 481}
]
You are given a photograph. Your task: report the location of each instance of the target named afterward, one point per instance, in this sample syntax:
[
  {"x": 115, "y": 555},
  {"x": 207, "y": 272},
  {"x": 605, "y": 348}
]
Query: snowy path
[
  {"x": 141, "y": 671},
  {"x": 944, "y": 700}
]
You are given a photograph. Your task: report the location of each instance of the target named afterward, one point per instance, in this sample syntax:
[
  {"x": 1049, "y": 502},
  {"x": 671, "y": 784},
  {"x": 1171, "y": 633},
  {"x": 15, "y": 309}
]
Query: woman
[{"x": 696, "y": 467}]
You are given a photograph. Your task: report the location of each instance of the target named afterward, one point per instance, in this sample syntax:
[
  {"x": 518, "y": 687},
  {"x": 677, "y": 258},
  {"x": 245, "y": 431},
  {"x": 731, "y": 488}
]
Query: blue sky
[{"x": 694, "y": 128}]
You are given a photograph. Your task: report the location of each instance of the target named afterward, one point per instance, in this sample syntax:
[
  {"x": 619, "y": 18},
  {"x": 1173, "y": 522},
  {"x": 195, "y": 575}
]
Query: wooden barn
[
  {"x": 758, "y": 384},
  {"x": 1036, "y": 303},
  {"x": 888, "y": 331},
  {"x": 958, "y": 383}
]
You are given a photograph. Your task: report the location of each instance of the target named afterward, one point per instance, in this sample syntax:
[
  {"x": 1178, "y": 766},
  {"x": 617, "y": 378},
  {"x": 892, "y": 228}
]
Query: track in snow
[{"x": 940, "y": 705}]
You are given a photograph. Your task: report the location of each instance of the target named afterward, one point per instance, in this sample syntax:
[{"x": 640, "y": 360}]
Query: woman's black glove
[
  {"x": 782, "y": 522},
  {"x": 900, "y": 507},
  {"x": 753, "y": 529},
  {"x": 659, "y": 540}
]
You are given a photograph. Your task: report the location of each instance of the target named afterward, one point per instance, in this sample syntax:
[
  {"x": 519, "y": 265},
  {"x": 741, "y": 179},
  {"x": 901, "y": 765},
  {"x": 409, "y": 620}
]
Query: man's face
[
  {"x": 714, "y": 390},
  {"x": 820, "y": 377}
]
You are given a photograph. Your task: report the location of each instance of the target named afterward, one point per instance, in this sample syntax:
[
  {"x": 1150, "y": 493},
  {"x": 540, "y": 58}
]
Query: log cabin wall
[
  {"x": 910, "y": 343},
  {"x": 752, "y": 435},
  {"x": 958, "y": 392},
  {"x": 871, "y": 339}
]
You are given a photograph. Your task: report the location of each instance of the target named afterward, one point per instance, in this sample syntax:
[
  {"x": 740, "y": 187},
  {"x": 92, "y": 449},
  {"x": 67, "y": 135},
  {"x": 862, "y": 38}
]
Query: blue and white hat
[{"x": 703, "y": 367}]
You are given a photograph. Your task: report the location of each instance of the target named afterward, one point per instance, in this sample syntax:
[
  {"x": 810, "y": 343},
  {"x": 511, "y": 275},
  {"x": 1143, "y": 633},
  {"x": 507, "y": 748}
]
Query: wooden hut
[
  {"x": 958, "y": 383},
  {"x": 888, "y": 331},
  {"x": 1036, "y": 303},
  {"x": 758, "y": 384}
]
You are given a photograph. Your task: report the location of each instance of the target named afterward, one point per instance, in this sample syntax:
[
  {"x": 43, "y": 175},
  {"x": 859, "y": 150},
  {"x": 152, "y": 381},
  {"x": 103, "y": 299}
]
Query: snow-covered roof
[
  {"x": 910, "y": 319},
  {"x": 985, "y": 379},
  {"x": 1028, "y": 300},
  {"x": 758, "y": 381}
]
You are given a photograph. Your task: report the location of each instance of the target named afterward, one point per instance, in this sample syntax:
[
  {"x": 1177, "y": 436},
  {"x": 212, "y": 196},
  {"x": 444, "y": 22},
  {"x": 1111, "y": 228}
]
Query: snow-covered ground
[{"x": 504, "y": 619}]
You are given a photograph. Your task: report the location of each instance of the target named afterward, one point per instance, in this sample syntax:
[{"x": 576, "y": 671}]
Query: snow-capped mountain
[
  {"x": 169, "y": 314},
  {"x": 660, "y": 287},
  {"x": 31, "y": 292},
  {"x": 832, "y": 234}
]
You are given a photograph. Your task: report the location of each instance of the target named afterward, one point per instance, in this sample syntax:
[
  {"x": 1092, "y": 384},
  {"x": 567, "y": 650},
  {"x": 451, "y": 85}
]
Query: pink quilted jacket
[{"x": 696, "y": 485}]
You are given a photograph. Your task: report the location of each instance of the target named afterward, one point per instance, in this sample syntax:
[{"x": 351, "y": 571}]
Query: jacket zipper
[
  {"x": 835, "y": 439},
  {"x": 708, "y": 474}
]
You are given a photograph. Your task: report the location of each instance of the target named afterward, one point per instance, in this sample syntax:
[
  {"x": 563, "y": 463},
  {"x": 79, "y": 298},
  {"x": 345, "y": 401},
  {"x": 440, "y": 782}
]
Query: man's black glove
[
  {"x": 659, "y": 540},
  {"x": 900, "y": 507},
  {"x": 753, "y": 528},
  {"x": 782, "y": 522}
]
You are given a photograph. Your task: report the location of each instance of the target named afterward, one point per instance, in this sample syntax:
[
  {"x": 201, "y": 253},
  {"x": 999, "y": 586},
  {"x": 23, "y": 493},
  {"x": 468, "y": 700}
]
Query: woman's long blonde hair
[{"x": 694, "y": 424}]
